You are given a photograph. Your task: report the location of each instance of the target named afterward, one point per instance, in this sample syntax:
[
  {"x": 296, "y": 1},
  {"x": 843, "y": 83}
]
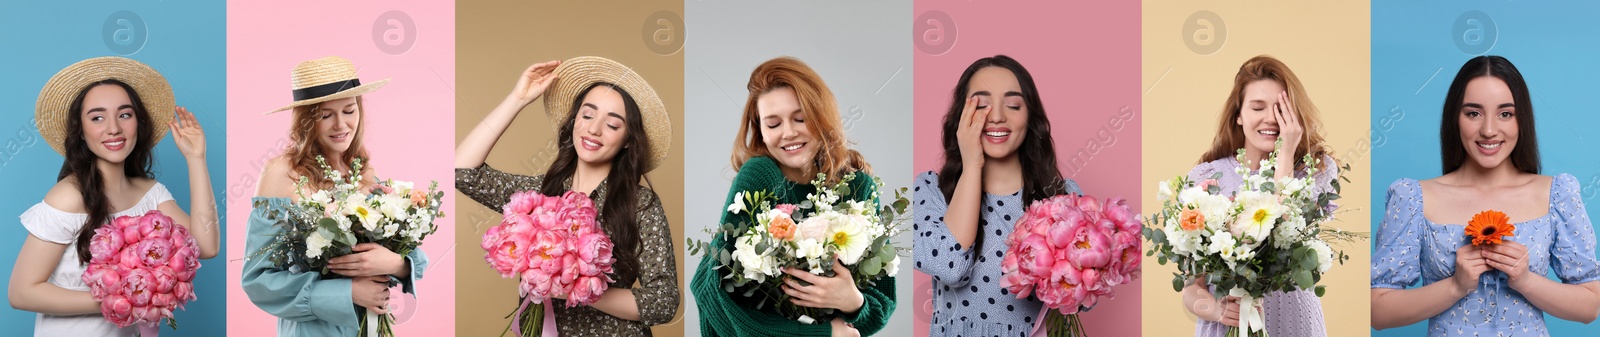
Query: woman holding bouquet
[
  {"x": 789, "y": 133},
  {"x": 1482, "y": 283},
  {"x": 104, "y": 115},
  {"x": 999, "y": 158},
  {"x": 1267, "y": 105},
  {"x": 327, "y": 123},
  {"x": 611, "y": 130}
]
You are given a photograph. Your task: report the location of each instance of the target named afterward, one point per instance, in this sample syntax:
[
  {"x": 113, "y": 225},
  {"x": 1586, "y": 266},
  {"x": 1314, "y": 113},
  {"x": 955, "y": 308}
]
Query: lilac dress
[
  {"x": 1288, "y": 314},
  {"x": 1410, "y": 248}
]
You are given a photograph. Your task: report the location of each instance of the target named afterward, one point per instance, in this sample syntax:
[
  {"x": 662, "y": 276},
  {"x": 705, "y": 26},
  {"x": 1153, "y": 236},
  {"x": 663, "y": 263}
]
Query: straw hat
[
  {"x": 579, "y": 73},
  {"x": 326, "y": 79},
  {"x": 50, "y": 112}
]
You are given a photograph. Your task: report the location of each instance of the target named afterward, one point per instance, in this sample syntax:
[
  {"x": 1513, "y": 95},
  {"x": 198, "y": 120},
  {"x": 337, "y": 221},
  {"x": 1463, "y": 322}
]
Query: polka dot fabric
[{"x": 967, "y": 297}]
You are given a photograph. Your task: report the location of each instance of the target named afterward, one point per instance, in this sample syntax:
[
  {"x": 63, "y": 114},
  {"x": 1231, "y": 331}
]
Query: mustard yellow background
[
  {"x": 495, "y": 42},
  {"x": 1327, "y": 45}
]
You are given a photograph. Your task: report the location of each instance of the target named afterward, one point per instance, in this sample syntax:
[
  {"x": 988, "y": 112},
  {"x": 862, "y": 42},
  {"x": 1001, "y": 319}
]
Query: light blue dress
[
  {"x": 1412, "y": 248},
  {"x": 306, "y": 304}
]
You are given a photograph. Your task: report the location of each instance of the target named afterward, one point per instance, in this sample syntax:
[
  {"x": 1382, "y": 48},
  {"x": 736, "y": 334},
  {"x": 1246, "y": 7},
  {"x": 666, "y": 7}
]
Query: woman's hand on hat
[
  {"x": 533, "y": 82},
  {"x": 186, "y": 133}
]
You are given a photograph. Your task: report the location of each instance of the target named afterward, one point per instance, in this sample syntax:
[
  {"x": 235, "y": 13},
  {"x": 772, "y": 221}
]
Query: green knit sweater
[{"x": 722, "y": 314}]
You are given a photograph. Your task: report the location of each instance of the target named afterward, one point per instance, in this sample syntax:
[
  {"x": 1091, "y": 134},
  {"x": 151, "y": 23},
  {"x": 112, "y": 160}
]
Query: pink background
[
  {"x": 1084, "y": 58},
  {"x": 410, "y": 132}
]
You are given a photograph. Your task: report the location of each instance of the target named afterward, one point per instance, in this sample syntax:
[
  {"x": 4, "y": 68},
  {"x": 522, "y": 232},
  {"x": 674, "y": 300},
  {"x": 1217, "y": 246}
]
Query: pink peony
[
  {"x": 104, "y": 245},
  {"x": 154, "y": 252},
  {"x": 117, "y": 310},
  {"x": 184, "y": 264},
  {"x": 595, "y": 250},
  {"x": 184, "y": 291},
  {"x": 155, "y": 225},
  {"x": 144, "y": 279},
  {"x": 138, "y": 285},
  {"x": 1034, "y": 257},
  {"x": 586, "y": 290},
  {"x": 164, "y": 278},
  {"x": 1062, "y": 289},
  {"x": 1069, "y": 251},
  {"x": 1090, "y": 248}
]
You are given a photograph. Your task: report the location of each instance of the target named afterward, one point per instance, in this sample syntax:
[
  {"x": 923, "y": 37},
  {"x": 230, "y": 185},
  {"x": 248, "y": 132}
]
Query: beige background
[
  {"x": 495, "y": 41},
  {"x": 1327, "y": 46}
]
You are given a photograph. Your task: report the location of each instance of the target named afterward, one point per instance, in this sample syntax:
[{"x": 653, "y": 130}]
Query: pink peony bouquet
[
  {"x": 1069, "y": 251},
  {"x": 555, "y": 247},
  {"x": 141, "y": 269}
]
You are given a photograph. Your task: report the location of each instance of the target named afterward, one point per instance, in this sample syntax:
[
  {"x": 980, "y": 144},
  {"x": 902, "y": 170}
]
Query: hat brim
[
  {"x": 347, "y": 93},
  {"x": 55, "y": 99},
  {"x": 576, "y": 74}
]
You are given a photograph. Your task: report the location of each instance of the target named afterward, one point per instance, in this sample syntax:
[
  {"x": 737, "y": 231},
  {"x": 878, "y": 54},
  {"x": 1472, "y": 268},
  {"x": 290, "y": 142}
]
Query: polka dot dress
[
  {"x": 967, "y": 297},
  {"x": 1410, "y": 248}
]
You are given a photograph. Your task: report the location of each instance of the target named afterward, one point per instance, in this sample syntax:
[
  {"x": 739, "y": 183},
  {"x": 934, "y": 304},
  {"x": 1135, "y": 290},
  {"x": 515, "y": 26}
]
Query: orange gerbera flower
[
  {"x": 1488, "y": 227},
  {"x": 1191, "y": 220}
]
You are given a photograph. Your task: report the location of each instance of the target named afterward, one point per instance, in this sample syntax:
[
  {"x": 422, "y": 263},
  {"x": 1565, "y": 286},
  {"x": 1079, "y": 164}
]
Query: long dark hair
[
  {"x": 80, "y": 162},
  {"x": 1525, "y": 156},
  {"x": 620, "y": 208},
  {"x": 1041, "y": 179}
]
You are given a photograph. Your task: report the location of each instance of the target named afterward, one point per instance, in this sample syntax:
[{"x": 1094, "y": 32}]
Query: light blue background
[
  {"x": 1551, "y": 44},
  {"x": 185, "y": 42}
]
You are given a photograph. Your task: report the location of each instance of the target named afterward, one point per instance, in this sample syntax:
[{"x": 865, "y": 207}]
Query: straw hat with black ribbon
[
  {"x": 579, "y": 73},
  {"x": 50, "y": 111},
  {"x": 326, "y": 79}
]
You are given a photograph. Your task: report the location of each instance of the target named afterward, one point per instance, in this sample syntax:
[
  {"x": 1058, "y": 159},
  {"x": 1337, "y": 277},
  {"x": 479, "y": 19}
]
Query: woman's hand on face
[
  {"x": 534, "y": 81},
  {"x": 186, "y": 133},
  {"x": 969, "y": 133},
  {"x": 1470, "y": 264},
  {"x": 1509, "y": 257},
  {"x": 371, "y": 292},
  {"x": 842, "y": 329},
  {"x": 1290, "y": 128},
  {"x": 838, "y": 292},
  {"x": 369, "y": 259}
]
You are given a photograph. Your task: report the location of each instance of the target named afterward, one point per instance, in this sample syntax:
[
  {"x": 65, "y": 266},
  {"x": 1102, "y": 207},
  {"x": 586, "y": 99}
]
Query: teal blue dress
[{"x": 306, "y": 303}]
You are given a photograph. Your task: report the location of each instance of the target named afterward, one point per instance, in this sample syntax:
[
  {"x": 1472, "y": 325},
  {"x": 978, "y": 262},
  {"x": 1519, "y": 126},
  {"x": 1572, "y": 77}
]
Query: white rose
[
  {"x": 814, "y": 227},
  {"x": 756, "y": 264},
  {"x": 1324, "y": 255},
  {"x": 894, "y": 266},
  {"x": 315, "y": 244}
]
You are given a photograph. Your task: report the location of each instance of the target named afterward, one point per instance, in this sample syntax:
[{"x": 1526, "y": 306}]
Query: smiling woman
[
  {"x": 1267, "y": 105},
  {"x": 105, "y": 115},
  {"x": 1480, "y": 284}
]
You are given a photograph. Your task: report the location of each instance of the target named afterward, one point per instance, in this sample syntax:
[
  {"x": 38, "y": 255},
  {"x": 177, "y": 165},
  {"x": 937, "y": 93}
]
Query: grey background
[{"x": 862, "y": 50}]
